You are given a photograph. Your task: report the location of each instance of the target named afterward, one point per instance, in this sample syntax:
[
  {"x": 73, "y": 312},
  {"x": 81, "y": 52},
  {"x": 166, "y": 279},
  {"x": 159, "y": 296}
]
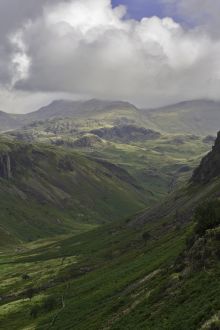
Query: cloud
[
  {"x": 89, "y": 48},
  {"x": 201, "y": 13}
]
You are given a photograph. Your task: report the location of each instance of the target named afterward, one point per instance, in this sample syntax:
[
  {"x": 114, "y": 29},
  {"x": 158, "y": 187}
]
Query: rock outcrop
[
  {"x": 88, "y": 141},
  {"x": 5, "y": 166},
  {"x": 126, "y": 133},
  {"x": 209, "y": 167}
]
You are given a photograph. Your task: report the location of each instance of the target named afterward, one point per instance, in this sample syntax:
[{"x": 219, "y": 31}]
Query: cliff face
[
  {"x": 5, "y": 166},
  {"x": 209, "y": 167}
]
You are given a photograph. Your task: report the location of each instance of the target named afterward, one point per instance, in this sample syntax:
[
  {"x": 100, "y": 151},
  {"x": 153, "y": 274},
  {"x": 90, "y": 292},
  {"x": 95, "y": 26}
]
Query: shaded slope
[
  {"x": 210, "y": 165},
  {"x": 45, "y": 191}
]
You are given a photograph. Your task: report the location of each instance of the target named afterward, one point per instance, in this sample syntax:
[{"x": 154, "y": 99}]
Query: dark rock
[
  {"x": 209, "y": 139},
  {"x": 25, "y": 277},
  {"x": 184, "y": 169},
  {"x": 88, "y": 141},
  {"x": 126, "y": 133},
  {"x": 209, "y": 167},
  {"x": 5, "y": 166}
]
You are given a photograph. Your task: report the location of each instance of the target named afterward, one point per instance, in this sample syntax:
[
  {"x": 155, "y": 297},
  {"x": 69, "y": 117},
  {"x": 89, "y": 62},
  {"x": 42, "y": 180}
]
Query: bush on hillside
[
  {"x": 50, "y": 303},
  {"x": 207, "y": 216}
]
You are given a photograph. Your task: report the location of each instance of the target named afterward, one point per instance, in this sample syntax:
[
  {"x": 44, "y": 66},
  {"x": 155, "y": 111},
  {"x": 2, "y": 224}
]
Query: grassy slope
[
  {"x": 46, "y": 194},
  {"x": 199, "y": 117},
  {"x": 155, "y": 164},
  {"x": 112, "y": 279}
]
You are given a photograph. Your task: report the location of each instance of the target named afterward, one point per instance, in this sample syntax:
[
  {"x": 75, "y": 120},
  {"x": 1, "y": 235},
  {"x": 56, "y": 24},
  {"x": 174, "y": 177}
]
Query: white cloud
[
  {"x": 20, "y": 60},
  {"x": 201, "y": 13},
  {"x": 88, "y": 48}
]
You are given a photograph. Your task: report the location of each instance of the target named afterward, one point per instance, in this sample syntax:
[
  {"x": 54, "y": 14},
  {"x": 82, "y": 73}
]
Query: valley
[
  {"x": 109, "y": 165},
  {"x": 118, "y": 132},
  {"x": 98, "y": 221}
]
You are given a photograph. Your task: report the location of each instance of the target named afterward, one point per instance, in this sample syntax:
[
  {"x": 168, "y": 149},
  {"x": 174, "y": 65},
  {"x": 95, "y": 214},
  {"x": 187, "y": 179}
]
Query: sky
[
  {"x": 148, "y": 52},
  {"x": 138, "y": 9}
]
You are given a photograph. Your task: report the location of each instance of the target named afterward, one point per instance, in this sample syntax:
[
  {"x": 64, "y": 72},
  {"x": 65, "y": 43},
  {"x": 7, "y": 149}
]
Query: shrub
[
  {"x": 30, "y": 293},
  {"x": 207, "y": 216},
  {"x": 146, "y": 236},
  {"x": 35, "y": 310},
  {"x": 49, "y": 304}
]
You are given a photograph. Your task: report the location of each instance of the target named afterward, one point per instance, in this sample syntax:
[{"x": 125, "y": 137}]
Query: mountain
[
  {"x": 70, "y": 109},
  {"x": 156, "y": 270},
  {"x": 210, "y": 166},
  {"x": 64, "y": 108},
  {"x": 193, "y": 117},
  {"x": 9, "y": 121},
  {"x": 120, "y": 133},
  {"x": 123, "y": 137},
  {"x": 45, "y": 191},
  {"x": 199, "y": 117}
]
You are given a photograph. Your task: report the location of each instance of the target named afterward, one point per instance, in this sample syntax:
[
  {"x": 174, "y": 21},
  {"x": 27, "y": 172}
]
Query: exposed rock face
[
  {"x": 5, "y": 166},
  {"x": 210, "y": 165},
  {"x": 126, "y": 133},
  {"x": 209, "y": 139},
  {"x": 88, "y": 141}
]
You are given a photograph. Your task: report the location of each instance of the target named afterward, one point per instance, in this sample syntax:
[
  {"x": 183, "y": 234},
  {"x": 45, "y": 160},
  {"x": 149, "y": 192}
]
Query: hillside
[
  {"x": 9, "y": 121},
  {"x": 64, "y": 108},
  {"x": 46, "y": 191},
  {"x": 156, "y": 270},
  {"x": 210, "y": 165},
  {"x": 119, "y": 133},
  {"x": 91, "y": 111},
  {"x": 199, "y": 117}
]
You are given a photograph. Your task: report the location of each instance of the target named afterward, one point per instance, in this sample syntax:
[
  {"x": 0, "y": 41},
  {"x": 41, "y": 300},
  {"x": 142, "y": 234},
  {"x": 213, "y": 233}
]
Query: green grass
[
  {"x": 110, "y": 278},
  {"x": 154, "y": 164},
  {"x": 54, "y": 191},
  {"x": 97, "y": 271}
]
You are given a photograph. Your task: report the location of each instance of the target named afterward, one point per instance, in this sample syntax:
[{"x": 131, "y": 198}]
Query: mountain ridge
[{"x": 198, "y": 116}]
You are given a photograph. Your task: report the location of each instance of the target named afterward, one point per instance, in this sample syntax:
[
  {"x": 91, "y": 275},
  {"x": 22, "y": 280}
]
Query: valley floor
[{"x": 129, "y": 275}]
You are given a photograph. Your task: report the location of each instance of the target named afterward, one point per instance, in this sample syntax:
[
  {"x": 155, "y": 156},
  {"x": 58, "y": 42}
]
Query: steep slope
[
  {"x": 45, "y": 191},
  {"x": 210, "y": 165},
  {"x": 157, "y": 270}
]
